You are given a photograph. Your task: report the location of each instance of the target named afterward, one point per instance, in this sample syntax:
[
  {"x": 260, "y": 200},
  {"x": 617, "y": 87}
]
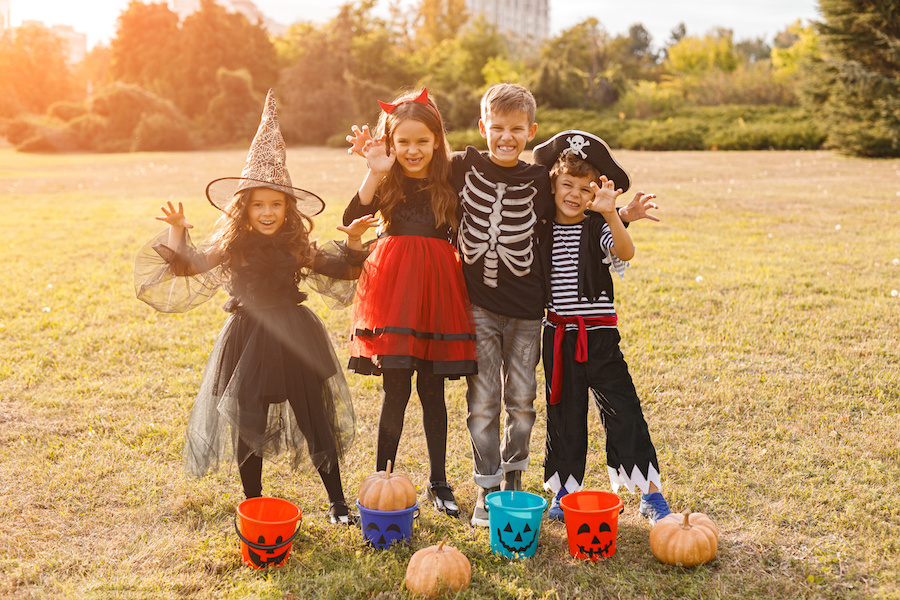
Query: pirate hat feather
[{"x": 265, "y": 168}]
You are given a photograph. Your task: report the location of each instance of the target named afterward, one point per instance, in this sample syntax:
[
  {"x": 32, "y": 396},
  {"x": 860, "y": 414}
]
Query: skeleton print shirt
[{"x": 503, "y": 209}]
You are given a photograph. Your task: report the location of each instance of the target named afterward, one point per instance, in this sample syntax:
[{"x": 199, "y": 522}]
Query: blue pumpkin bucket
[
  {"x": 515, "y": 522},
  {"x": 382, "y": 528}
]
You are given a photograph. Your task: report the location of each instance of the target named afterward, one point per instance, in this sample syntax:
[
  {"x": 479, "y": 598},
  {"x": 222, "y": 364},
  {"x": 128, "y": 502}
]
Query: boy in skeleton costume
[
  {"x": 503, "y": 201},
  {"x": 580, "y": 339}
]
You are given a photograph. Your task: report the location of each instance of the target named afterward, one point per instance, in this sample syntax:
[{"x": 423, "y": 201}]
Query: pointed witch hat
[{"x": 265, "y": 168}]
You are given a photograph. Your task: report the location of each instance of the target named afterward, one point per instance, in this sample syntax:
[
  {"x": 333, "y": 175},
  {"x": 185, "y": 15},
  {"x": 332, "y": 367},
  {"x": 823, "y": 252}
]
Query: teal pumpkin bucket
[{"x": 515, "y": 522}]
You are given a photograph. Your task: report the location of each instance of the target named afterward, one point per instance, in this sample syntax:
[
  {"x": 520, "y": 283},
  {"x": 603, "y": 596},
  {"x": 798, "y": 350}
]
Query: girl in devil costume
[
  {"x": 412, "y": 311},
  {"x": 272, "y": 383}
]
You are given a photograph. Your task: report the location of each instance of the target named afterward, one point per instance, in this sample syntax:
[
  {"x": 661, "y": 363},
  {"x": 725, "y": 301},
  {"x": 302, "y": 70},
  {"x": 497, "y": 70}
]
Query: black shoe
[
  {"x": 441, "y": 494},
  {"x": 339, "y": 514}
]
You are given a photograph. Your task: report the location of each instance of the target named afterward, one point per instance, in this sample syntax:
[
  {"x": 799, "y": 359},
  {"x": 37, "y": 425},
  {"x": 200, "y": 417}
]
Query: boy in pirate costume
[{"x": 580, "y": 339}]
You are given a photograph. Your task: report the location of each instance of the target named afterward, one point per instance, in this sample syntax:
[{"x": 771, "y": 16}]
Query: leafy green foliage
[
  {"x": 855, "y": 85},
  {"x": 34, "y": 70}
]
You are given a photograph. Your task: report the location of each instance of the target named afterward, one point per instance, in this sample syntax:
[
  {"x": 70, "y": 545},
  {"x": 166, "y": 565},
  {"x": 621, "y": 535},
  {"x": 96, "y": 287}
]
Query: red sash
[{"x": 581, "y": 347}]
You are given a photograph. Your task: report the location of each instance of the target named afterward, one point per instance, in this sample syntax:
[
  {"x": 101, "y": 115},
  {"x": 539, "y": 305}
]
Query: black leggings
[
  {"x": 250, "y": 469},
  {"x": 397, "y": 390}
]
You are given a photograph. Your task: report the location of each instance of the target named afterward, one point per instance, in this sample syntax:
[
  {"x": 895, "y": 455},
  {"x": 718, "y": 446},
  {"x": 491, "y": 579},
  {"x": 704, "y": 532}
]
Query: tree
[
  {"x": 856, "y": 84},
  {"x": 804, "y": 48},
  {"x": 233, "y": 113},
  {"x": 695, "y": 56},
  {"x": 213, "y": 38},
  {"x": 35, "y": 71},
  {"x": 583, "y": 58},
  {"x": 439, "y": 20},
  {"x": 146, "y": 46}
]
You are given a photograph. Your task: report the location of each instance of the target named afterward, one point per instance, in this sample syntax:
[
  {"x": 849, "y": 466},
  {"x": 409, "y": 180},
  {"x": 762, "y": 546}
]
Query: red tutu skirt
[{"x": 412, "y": 310}]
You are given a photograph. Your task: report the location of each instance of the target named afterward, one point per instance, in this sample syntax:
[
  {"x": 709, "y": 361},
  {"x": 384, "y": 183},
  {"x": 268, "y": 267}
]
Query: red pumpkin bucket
[
  {"x": 267, "y": 528},
  {"x": 592, "y": 521}
]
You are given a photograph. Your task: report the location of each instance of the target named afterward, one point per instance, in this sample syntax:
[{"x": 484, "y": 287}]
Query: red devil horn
[{"x": 421, "y": 99}]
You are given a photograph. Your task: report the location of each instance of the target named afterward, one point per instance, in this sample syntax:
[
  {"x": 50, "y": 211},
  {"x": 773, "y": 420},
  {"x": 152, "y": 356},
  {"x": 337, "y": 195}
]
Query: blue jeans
[{"x": 508, "y": 352}]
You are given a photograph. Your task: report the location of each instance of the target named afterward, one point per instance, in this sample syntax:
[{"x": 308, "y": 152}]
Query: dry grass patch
[{"x": 757, "y": 318}]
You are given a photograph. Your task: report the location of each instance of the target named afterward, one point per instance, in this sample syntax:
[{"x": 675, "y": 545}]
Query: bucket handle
[{"x": 256, "y": 546}]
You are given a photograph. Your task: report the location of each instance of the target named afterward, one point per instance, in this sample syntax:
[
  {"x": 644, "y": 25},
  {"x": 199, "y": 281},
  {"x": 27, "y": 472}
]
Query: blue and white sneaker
[
  {"x": 555, "y": 513},
  {"x": 654, "y": 507}
]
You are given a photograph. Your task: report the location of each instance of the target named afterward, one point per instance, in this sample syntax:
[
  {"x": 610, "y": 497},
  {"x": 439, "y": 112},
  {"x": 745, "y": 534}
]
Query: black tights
[
  {"x": 397, "y": 390},
  {"x": 251, "y": 476}
]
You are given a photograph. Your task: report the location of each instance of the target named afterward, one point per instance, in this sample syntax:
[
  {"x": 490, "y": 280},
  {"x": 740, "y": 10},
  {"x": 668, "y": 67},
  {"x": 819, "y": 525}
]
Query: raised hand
[
  {"x": 605, "y": 194},
  {"x": 378, "y": 155},
  {"x": 358, "y": 140},
  {"x": 637, "y": 208},
  {"x": 175, "y": 218},
  {"x": 359, "y": 226}
]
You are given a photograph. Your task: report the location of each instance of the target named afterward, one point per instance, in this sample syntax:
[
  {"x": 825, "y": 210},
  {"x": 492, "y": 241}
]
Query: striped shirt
[{"x": 564, "y": 299}]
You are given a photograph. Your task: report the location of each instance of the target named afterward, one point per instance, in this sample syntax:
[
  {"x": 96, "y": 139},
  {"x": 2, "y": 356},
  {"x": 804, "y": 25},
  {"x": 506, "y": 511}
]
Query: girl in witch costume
[
  {"x": 412, "y": 311},
  {"x": 272, "y": 383},
  {"x": 580, "y": 340}
]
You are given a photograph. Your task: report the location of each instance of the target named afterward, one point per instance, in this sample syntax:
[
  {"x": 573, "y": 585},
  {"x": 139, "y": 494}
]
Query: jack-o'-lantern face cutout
[
  {"x": 390, "y": 534},
  {"x": 268, "y": 557},
  {"x": 515, "y": 541},
  {"x": 595, "y": 545}
]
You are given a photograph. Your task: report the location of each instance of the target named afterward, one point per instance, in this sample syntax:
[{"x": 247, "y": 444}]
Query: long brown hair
[
  {"x": 233, "y": 228},
  {"x": 443, "y": 199}
]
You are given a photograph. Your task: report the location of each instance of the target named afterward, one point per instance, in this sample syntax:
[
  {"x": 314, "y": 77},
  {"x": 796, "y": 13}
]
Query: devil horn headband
[{"x": 421, "y": 99}]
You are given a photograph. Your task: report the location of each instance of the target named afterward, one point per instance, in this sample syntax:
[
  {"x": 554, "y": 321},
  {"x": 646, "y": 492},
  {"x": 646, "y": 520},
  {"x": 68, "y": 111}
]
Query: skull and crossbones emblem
[{"x": 577, "y": 143}]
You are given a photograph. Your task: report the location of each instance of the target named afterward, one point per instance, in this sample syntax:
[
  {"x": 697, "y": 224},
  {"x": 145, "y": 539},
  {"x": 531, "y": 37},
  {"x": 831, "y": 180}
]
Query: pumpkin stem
[
  {"x": 388, "y": 468},
  {"x": 687, "y": 522},
  {"x": 441, "y": 545}
]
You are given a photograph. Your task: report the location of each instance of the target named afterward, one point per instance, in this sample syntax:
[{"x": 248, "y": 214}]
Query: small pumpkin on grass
[
  {"x": 385, "y": 490},
  {"x": 684, "y": 540},
  {"x": 438, "y": 569}
]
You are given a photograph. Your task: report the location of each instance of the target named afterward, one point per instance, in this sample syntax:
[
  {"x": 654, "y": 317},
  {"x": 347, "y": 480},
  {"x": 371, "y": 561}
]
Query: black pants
[{"x": 605, "y": 375}]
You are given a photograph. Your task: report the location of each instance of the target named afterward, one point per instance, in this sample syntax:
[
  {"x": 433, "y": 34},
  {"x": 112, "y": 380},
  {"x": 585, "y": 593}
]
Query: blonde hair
[
  {"x": 440, "y": 191},
  {"x": 506, "y": 98}
]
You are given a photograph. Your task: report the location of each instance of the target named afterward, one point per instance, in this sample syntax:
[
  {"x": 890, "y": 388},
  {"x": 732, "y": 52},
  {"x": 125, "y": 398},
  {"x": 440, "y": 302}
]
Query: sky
[{"x": 756, "y": 19}]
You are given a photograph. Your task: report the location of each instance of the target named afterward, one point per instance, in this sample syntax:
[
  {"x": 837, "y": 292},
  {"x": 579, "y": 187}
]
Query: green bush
[
  {"x": 466, "y": 137},
  {"x": 91, "y": 133},
  {"x": 762, "y": 136},
  {"x": 124, "y": 105},
  {"x": 649, "y": 99},
  {"x": 671, "y": 134},
  {"x": 66, "y": 111},
  {"x": 20, "y": 129},
  {"x": 158, "y": 132},
  {"x": 50, "y": 139},
  {"x": 233, "y": 114}
]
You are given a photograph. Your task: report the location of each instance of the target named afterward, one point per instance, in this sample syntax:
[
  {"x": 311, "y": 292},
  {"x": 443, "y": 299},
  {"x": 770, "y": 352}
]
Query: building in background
[
  {"x": 528, "y": 20},
  {"x": 76, "y": 42},
  {"x": 5, "y": 23},
  {"x": 247, "y": 8}
]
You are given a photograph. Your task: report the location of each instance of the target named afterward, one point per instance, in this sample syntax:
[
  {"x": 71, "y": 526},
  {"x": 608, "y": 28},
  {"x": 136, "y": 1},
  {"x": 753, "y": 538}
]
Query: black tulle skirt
[{"x": 272, "y": 379}]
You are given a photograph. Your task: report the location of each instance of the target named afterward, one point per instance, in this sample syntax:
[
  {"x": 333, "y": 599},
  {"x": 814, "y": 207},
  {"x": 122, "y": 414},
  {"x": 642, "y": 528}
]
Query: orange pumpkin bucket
[
  {"x": 592, "y": 521},
  {"x": 267, "y": 528}
]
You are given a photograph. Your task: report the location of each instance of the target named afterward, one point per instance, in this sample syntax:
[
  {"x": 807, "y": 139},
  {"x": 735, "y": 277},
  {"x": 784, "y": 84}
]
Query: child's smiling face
[
  {"x": 414, "y": 144},
  {"x": 571, "y": 195},
  {"x": 266, "y": 210},
  {"x": 506, "y": 136}
]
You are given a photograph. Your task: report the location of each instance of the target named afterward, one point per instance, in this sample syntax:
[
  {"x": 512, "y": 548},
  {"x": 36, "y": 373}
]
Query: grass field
[{"x": 760, "y": 320}]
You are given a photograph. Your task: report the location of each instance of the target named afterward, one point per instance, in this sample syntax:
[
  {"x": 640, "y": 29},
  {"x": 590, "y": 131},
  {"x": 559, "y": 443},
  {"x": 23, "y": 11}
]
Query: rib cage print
[{"x": 498, "y": 224}]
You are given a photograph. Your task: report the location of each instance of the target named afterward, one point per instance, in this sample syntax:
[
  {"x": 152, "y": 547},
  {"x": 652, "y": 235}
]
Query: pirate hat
[
  {"x": 586, "y": 146},
  {"x": 265, "y": 168}
]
